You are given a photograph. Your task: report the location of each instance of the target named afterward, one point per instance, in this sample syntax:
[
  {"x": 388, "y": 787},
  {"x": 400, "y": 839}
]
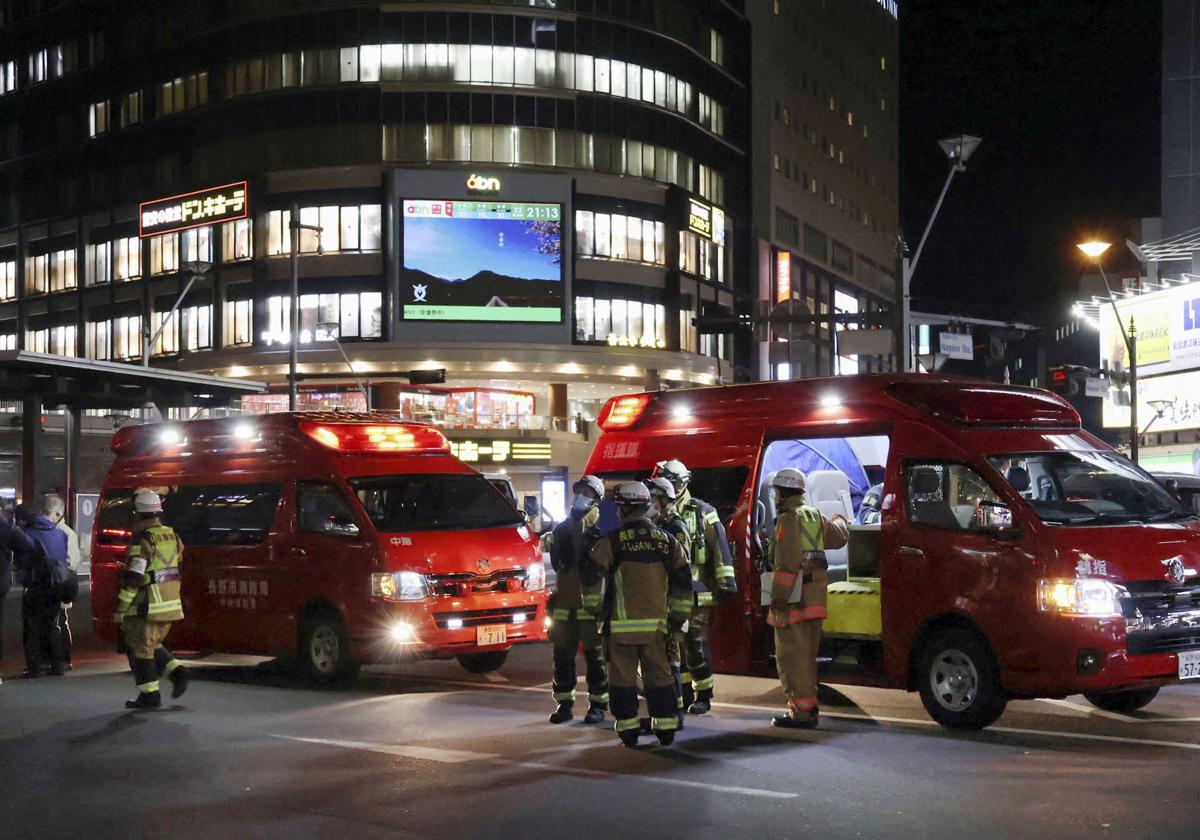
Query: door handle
[{"x": 910, "y": 551}]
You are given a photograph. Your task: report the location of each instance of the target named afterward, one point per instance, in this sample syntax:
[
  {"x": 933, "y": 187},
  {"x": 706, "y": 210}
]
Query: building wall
[{"x": 1181, "y": 116}]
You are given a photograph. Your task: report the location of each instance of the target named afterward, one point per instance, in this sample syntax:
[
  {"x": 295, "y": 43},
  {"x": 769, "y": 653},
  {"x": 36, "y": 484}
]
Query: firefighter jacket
[
  {"x": 711, "y": 559},
  {"x": 568, "y": 545},
  {"x": 801, "y": 536},
  {"x": 642, "y": 583},
  {"x": 671, "y": 522},
  {"x": 155, "y": 593}
]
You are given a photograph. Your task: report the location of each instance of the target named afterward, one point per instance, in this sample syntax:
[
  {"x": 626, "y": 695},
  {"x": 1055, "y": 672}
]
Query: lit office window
[
  {"x": 98, "y": 263},
  {"x": 620, "y": 323},
  {"x": 99, "y": 340},
  {"x": 127, "y": 337},
  {"x": 237, "y": 326},
  {"x": 618, "y": 237},
  {"x": 196, "y": 244},
  {"x": 356, "y": 228},
  {"x": 716, "y": 47},
  {"x": 324, "y": 317},
  {"x": 98, "y": 118},
  {"x": 127, "y": 258},
  {"x": 62, "y": 270},
  {"x": 167, "y": 325},
  {"x": 197, "y": 327},
  {"x": 8, "y": 77},
  {"x": 183, "y": 93},
  {"x": 8, "y": 341},
  {"x": 131, "y": 109},
  {"x": 236, "y": 240},
  {"x": 8, "y": 280},
  {"x": 164, "y": 253},
  {"x": 58, "y": 340},
  {"x": 37, "y": 274}
]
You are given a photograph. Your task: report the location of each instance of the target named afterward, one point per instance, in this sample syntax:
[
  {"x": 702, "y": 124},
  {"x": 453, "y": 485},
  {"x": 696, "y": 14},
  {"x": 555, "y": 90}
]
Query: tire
[
  {"x": 1121, "y": 701},
  {"x": 959, "y": 684},
  {"x": 483, "y": 663},
  {"x": 324, "y": 653}
]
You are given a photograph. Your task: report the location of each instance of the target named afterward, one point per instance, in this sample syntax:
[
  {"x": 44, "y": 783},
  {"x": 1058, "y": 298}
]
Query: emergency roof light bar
[
  {"x": 379, "y": 438},
  {"x": 623, "y": 412}
]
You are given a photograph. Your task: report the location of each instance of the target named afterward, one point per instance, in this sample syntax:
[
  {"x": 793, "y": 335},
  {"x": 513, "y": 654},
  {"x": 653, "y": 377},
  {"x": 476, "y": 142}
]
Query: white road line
[
  {"x": 1092, "y": 712},
  {"x": 444, "y": 756}
]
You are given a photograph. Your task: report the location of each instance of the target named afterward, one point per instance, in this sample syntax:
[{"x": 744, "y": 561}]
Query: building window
[
  {"x": 99, "y": 340},
  {"x": 8, "y": 341},
  {"x": 37, "y": 274},
  {"x": 343, "y": 230},
  {"x": 183, "y": 94},
  {"x": 787, "y": 228},
  {"x": 8, "y": 77},
  {"x": 716, "y": 48},
  {"x": 841, "y": 257},
  {"x": 164, "y": 253},
  {"x": 712, "y": 115},
  {"x": 324, "y": 317},
  {"x": 131, "y": 109},
  {"x": 688, "y": 331},
  {"x": 196, "y": 245},
  {"x": 8, "y": 280},
  {"x": 167, "y": 325},
  {"x": 127, "y": 258},
  {"x": 711, "y": 184},
  {"x": 98, "y": 263},
  {"x": 97, "y": 118},
  {"x": 620, "y": 323},
  {"x": 846, "y": 304},
  {"x": 58, "y": 340},
  {"x": 619, "y": 237},
  {"x": 127, "y": 337},
  {"x": 62, "y": 270},
  {"x": 816, "y": 244},
  {"x": 236, "y": 241},
  {"x": 238, "y": 327},
  {"x": 197, "y": 327}
]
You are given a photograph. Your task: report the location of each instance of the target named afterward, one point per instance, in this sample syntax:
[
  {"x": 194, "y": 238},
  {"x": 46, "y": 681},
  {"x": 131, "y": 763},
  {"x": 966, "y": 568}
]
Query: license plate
[
  {"x": 497, "y": 634},
  {"x": 1189, "y": 665}
]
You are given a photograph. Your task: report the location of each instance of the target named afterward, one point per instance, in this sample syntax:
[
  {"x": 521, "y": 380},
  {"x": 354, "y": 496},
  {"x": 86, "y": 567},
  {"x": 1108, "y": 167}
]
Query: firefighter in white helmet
[
  {"x": 797, "y": 611},
  {"x": 149, "y": 602}
]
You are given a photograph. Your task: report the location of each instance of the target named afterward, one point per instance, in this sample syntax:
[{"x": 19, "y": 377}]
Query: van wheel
[
  {"x": 325, "y": 650},
  {"x": 1121, "y": 701},
  {"x": 483, "y": 663},
  {"x": 959, "y": 685}
]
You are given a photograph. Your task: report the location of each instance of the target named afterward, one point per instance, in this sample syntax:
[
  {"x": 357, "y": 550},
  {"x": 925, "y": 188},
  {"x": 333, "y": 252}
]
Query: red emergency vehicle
[
  {"x": 346, "y": 538},
  {"x": 998, "y": 550}
]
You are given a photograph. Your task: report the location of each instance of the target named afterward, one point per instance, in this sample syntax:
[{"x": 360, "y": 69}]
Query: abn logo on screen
[{"x": 483, "y": 183}]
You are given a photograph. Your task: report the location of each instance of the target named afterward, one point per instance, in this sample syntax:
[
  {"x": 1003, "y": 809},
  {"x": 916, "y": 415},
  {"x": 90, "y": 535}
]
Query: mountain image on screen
[{"x": 482, "y": 262}]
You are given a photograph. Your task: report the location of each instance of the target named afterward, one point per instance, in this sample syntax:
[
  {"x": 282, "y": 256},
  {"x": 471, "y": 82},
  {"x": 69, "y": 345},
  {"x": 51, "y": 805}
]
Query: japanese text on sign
[
  {"x": 501, "y": 451},
  {"x": 203, "y": 207}
]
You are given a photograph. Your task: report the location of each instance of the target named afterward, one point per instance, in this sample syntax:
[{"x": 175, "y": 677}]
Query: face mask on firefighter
[{"x": 580, "y": 505}]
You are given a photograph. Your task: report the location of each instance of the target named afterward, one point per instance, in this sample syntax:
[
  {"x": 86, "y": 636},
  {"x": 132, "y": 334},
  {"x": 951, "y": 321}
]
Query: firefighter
[
  {"x": 801, "y": 536},
  {"x": 665, "y": 516},
  {"x": 638, "y": 580},
  {"x": 149, "y": 602},
  {"x": 570, "y": 625},
  {"x": 712, "y": 576}
]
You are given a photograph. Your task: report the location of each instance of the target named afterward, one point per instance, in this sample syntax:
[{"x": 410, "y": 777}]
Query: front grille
[
  {"x": 476, "y": 618},
  {"x": 1162, "y": 617},
  {"x": 468, "y": 584}
]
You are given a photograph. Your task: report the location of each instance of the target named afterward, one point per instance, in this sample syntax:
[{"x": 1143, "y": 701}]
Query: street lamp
[
  {"x": 1094, "y": 250},
  {"x": 333, "y": 330},
  {"x": 197, "y": 270},
  {"x": 295, "y": 227},
  {"x": 959, "y": 149}
]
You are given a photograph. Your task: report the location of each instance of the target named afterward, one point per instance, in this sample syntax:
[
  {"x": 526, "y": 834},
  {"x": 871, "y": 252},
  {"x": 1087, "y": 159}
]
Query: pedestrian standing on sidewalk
[
  {"x": 55, "y": 511},
  {"x": 40, "y": 557}
]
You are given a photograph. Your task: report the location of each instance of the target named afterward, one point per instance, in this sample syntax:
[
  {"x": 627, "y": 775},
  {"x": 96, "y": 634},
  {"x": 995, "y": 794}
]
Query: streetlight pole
[
  {"x": 1096, "y": 250},
  {"x": 959, "y": 150},
  {"x": 294, "y": 227},
  {"x": 198, "y": 270},
  {"x": 332, "y": 330}
]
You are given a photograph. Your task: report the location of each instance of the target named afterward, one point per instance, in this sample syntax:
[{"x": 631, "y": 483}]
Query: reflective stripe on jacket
[
  {"x": 154, "y": 595},
  {"x": 799, "y": 553},
  {"x": 711, "y": 558}
]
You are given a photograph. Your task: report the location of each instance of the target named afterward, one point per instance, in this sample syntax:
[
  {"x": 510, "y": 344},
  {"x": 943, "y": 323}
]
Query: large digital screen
[{"x": 482, "y": 261}]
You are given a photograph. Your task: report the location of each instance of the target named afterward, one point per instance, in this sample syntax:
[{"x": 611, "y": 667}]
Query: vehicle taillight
[
  {"x": 114, "y": 536},
  {"x": 377, "y": 437},
  {"x": 622, "y": 412}
]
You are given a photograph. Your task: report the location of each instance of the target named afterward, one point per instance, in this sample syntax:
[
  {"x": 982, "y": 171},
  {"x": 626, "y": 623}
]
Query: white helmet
[
  {"x": 147, "y": 501},
  {"x": 659, "y": 486},
  {"x": 674, "y": 471},
  {"x": 591, "y": 483},
  {"x": 789, "y": 478},
  {"x": 632, "y": 494}
]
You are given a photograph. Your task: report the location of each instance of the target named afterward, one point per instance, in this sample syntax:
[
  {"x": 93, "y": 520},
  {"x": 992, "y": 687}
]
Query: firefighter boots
[
  {"x": 595, "y": 714},
  {"x": 563, "y": 713},
  {"x": 703, "y": 704},
  {"x": 789, "y": 722},
  {"x": 145, "y": 700},
  {"x": 179, "y": 678}
]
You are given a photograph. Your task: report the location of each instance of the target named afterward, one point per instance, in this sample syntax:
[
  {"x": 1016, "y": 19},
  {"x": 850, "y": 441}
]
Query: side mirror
[
  {"x": 993, "y": 517},
  {"x": 341, "y": 528}
]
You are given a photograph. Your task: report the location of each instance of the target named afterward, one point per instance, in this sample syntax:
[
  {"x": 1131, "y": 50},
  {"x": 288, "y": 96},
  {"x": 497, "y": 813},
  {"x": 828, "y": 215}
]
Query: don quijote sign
[{"x": 210, "y": 206}]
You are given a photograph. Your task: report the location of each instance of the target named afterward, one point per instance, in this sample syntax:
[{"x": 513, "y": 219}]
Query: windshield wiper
[
  {"x": 1107, "y": 519},
  {"x": 1172, "y": 516}
]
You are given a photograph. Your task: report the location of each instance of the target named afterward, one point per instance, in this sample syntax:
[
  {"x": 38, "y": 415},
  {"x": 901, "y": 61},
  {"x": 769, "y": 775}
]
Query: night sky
[{"x": 1066, "y": 96}]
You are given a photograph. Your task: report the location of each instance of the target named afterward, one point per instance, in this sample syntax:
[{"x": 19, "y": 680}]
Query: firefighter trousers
[
  {"x": 796, "y": 659},
  {"x": 569, "y": 630},
  {"x": 697, "y": 657},
  {"x": 148, "y": 657},
  {"x": 624, "y": 659}
]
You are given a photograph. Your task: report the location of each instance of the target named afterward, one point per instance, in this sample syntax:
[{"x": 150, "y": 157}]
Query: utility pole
[{"x": 294, "y": 228}]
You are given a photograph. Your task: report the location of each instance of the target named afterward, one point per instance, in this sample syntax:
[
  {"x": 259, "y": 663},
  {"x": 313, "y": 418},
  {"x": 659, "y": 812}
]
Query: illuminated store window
[
  {"x": 8, "y": 280},
  {"x": 350, "y": 229},
  {"x": 238, "y": 324},
  {"x": 164, "y": 253},
  {"x": 620, "y": 323},
  {"x": 619, "y": 237}
]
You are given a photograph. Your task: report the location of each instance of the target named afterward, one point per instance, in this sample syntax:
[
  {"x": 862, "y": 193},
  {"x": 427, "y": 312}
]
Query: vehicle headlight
[
  {"x": 399, "y": 586},
  {"x": 535, "y": 577},
  {"x": 1081, "y": 597}
]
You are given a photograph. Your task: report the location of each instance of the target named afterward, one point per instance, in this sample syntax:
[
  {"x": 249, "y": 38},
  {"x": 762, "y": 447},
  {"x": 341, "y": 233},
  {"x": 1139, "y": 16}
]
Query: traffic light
[{"x": 1066, "y": 380}]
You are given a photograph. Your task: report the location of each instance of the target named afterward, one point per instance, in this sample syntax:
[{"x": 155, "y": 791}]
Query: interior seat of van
[
  {"x": 928, "y": 505},
  {"x": 829, "y": 492}
]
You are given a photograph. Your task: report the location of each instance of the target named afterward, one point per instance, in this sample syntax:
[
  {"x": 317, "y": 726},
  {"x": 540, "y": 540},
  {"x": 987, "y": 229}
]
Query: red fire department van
[
  {"x": 346, "y": 538},
  {"x": 997, "y": 550}
]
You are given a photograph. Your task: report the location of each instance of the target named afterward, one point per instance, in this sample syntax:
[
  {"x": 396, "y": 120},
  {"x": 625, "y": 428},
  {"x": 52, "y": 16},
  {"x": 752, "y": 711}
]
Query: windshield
[
  {"x": 1088, "y": 488},
  {"x": 400, "y": 503}
]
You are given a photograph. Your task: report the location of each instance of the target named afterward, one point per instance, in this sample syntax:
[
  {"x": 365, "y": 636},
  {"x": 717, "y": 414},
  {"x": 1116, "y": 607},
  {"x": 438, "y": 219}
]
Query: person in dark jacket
[
  {"x": 5, "y": 579},
  {"x": 40, "y": 557}
]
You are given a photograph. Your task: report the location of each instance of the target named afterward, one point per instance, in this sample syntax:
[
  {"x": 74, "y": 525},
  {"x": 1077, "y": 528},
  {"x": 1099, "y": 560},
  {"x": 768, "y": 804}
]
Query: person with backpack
[{"x": 40, "y": 557}]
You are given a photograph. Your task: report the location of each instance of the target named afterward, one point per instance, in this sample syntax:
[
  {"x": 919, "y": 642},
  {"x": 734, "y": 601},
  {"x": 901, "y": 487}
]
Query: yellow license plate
[{"x": 491, "y": 634}]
